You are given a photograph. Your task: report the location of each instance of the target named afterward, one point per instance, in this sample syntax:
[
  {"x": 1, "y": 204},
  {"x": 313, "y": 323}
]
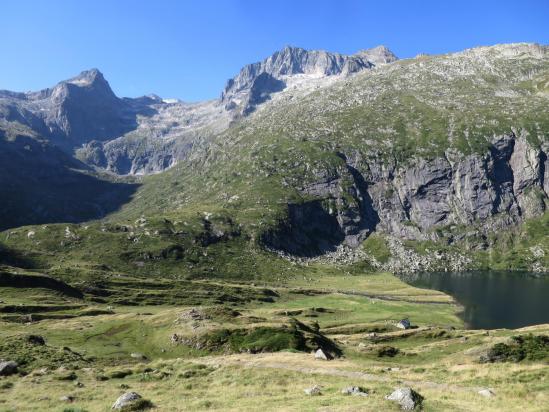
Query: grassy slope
[{"x": 438, "y": 362}]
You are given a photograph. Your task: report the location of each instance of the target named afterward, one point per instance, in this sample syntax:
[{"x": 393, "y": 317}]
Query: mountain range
[{"x": 308, "y": 150}]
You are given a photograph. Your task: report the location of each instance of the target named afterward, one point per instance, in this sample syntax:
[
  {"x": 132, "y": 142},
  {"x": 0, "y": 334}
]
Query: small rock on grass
[
  {"x": 319, "y": 354},
  {"x": 407, "y": 398},
  {"x": 487, "y": 393},
  {"x": 67, "y": 398},
  {"x": 138, "y": 356},
  {"x": 131, "y": 400},
  {"x": 355, "y": 391},
  {"x": 313, "y": 391}
]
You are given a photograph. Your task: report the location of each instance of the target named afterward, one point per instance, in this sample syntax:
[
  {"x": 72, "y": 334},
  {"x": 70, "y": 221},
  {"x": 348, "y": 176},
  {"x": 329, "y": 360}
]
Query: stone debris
[
  {"x": 193, "y": 314},
  {"x": 70, "y": 235},
  {"x": 313, "y": 391},
  {"x": 355, "y": 391}
]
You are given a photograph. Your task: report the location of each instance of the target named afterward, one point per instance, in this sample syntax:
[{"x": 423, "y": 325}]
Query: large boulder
[
  {"x": 404, "y": 324},
  {"x": 8, "y": 368},
  {"x": 407, "y": 398}
]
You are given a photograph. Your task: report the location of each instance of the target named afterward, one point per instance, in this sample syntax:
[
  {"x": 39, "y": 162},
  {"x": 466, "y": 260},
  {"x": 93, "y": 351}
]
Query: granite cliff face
[{"x": 482, "y": 192}]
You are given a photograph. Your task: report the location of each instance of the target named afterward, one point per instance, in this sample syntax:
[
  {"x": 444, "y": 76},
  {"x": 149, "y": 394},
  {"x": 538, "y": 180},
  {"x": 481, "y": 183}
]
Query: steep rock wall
[{"x": 491, "y": 191}]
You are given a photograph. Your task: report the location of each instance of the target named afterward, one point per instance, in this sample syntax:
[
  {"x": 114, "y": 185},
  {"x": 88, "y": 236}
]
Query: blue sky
[{"x": 188, "y": 49}]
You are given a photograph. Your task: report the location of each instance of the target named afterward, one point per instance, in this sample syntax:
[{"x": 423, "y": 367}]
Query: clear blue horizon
[{"x": 188, "y": 50}]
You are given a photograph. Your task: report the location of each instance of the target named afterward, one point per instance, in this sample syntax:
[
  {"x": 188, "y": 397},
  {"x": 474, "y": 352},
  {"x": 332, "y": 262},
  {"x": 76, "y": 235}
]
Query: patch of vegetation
[
  {"x": 376, "y": 245},
  {"x": 138, "y": 405},
  {"x": 387, "y": 351},
  {"x": 6, "y": 385},
  {"x": 67, "y": 376},
  {"x": 30, "y": 356},
  {"x": 119, "y": 374},
  {"x": 530, "y": 347},
  {"x": 261, "y": 339},
  {"x": 296, "y": 336},
  {"x": 519, "y": 247},
  {"x": 195, "y": 371}
]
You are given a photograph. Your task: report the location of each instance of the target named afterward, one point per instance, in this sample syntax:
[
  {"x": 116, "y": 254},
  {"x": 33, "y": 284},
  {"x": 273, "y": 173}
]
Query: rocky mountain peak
[
  {"x": 88, "y": 77},
  {"x": 89, "y": 81},
  {"x": 378, "y": 55},
  {"x": 292, "y": 61}
]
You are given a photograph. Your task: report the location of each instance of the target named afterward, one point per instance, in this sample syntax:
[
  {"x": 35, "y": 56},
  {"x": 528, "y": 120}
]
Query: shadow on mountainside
[
  {"x": 39, "y": 184},
  {"x": 309, "y": 231}
]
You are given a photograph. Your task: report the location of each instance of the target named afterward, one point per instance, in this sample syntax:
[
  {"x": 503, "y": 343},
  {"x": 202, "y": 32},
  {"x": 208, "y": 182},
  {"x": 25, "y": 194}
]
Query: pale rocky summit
[
  {"x": 275, "y": 73},
  {"x": 72, "y": 111}
]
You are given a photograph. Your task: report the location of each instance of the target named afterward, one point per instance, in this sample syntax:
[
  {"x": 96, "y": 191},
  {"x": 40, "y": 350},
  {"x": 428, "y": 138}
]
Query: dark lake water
[{"x": 492, "y": 300}]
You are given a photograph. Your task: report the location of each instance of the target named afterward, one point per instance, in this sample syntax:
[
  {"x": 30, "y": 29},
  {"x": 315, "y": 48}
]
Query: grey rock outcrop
[
  {"x": 493, "y": 190},
  {"x": 354, "y": 391}
]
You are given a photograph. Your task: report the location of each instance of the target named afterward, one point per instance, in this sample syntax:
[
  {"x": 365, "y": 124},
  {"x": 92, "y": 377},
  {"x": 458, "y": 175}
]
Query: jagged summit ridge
[{"x": 292, "y": 61}]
